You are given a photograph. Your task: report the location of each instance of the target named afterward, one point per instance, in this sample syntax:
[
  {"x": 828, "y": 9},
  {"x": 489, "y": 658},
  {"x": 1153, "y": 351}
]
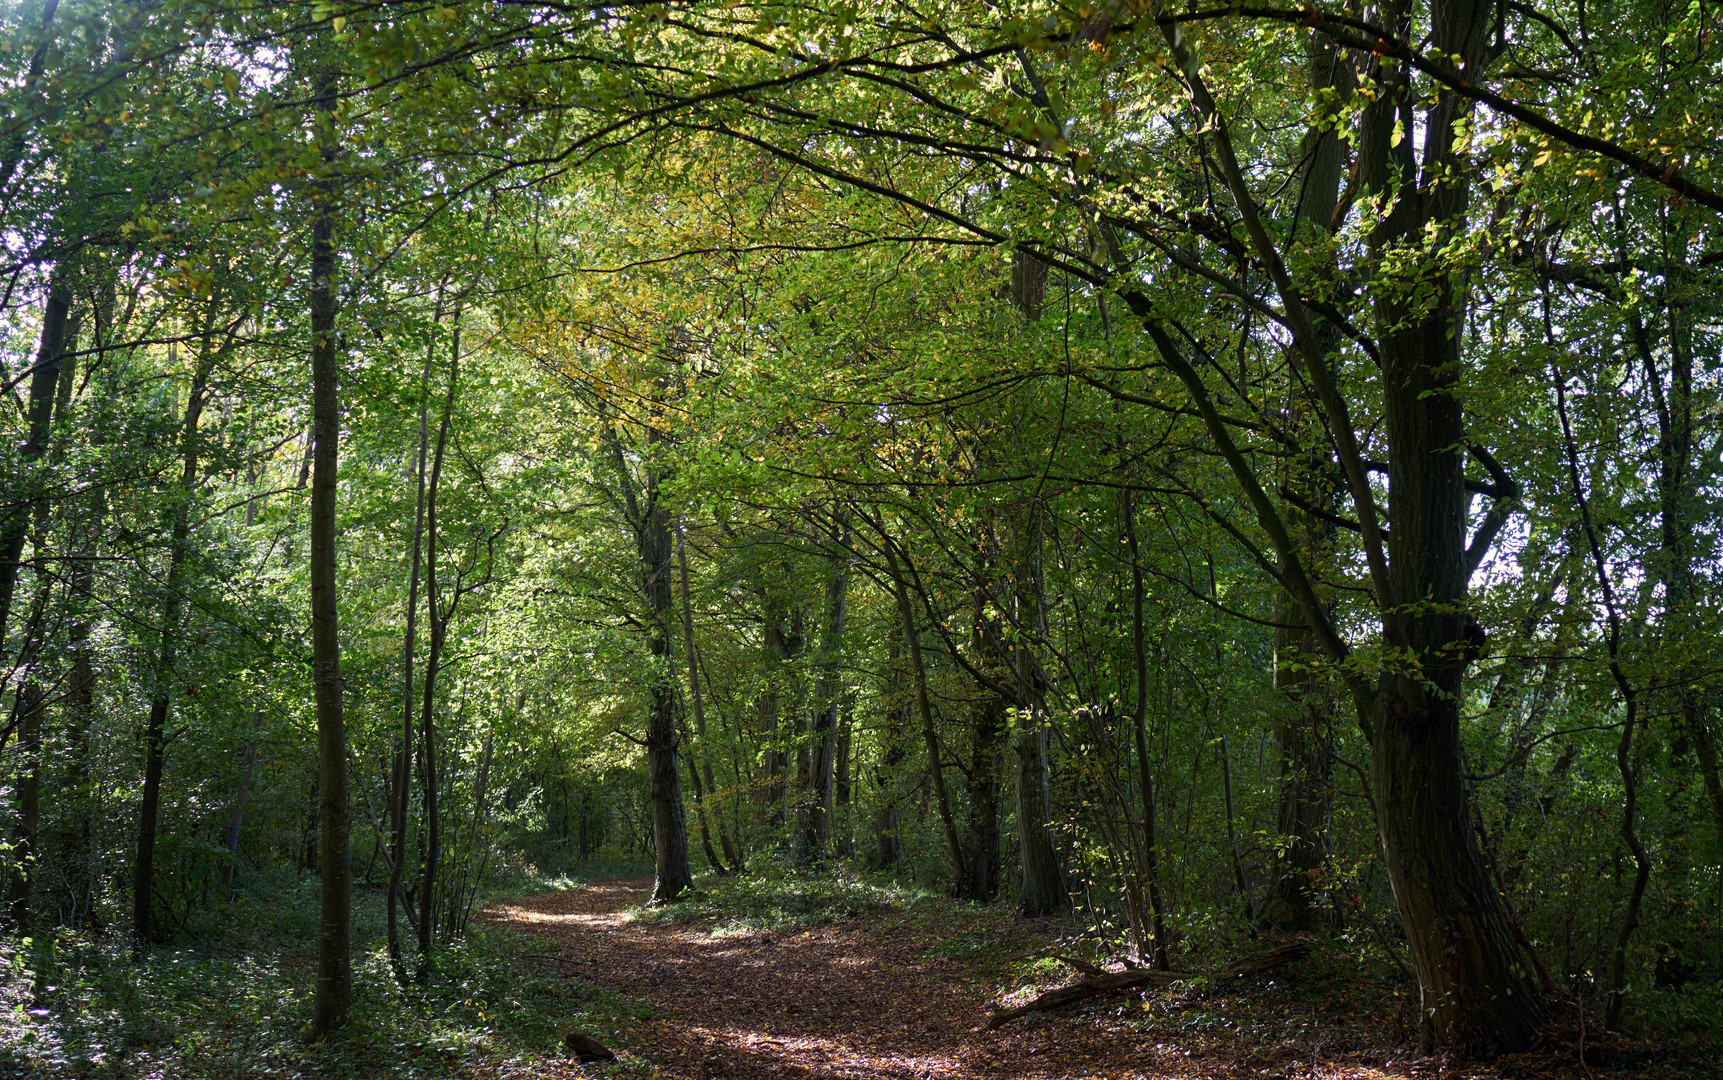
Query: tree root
[{"x": 1098, "y": 983}]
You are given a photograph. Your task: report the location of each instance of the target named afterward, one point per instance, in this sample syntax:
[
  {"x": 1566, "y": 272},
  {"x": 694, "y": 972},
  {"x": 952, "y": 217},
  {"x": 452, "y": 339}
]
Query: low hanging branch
[{"x": 1100, "y": 982}]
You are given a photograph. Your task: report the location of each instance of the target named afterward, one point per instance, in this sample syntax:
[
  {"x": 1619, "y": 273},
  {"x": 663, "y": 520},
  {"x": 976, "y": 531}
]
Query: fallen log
[{"x": 1107, "y": 982}]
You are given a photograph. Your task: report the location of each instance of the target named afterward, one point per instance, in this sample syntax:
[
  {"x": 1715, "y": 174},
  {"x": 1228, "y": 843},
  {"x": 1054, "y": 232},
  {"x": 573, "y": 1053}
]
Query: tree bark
[
  {"x": 1043, "y": 891},
  {"x": 402, "y": 772},
  {"x": 672, "y": 874},
  {"x": 1139, "y": 715},
  {"x": 441, "y": 616},
  {"x": 236, "y": 813},
  {"x": 732, "y": 854},
  {"x": 29, "y": 782},
  {"x": 828, "y": 694},
  {"x": 161, "y": 700},
  {"x": 15, "y": 528},
  {"x": 333, "y": 997},
  {"x": 929, "y": 734}
]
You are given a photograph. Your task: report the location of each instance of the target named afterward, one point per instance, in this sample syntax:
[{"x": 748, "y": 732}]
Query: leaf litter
[{"x": 825, "y": 988}]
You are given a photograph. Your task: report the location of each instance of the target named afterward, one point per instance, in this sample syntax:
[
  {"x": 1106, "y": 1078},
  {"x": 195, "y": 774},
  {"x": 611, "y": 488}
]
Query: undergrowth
[{"x": 234, "y": 1001}]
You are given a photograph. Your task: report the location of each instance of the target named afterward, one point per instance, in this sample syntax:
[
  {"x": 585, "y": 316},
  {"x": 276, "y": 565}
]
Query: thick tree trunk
[
  {"x": 828, "y": 700},
  {"x": 333, "y": 997},
  {"x": 672, "y": 876},
  {"x": 1300, "y": 761},
  {"x": 21, "y": 496},
  {"x": 1043, "y": 883}
]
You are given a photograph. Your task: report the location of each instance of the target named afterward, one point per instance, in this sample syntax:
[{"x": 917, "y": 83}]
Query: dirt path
[{"x": 854, "y": 997}]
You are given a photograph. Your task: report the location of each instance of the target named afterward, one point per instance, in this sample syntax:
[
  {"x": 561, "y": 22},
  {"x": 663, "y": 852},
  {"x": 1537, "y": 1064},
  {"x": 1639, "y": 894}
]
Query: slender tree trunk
[
  {"x": 76, "y": 835},
  {"x": 161, "y": 702},
  {"x": 1043, "y": 882},
  {"x": 334, "y": 988},
  {"x": 929, "y": 735},
  {"x": 29, "y": 784},
  {"x": 432, "y": 833},
  {"x": 712, "y": 858},
  {"x": 236, "y": 814},
  {"x": 402, "y": 772},
  {"x": 697, "y": 700},
  {"x": 1300, "y": 773},
  {"x": 1139, "y": 714}
]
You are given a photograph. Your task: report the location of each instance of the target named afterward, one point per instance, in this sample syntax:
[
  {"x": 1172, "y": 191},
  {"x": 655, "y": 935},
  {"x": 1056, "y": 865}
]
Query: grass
[
  {"x": 236, "y": 1002},
  {"x": 783, "y": 900}
]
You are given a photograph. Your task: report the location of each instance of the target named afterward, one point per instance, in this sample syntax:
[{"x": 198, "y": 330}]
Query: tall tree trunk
[
  {"x": 929, "y": 734},
  {"x": 441, "y": 616},
  {"x": 698, "y": 701},
  {"x": 1139, "y": 714},
  {"x": 29, "y": 786},
  {"x": 401, "y": 781},
  {"x": 21, "y": 497},
  {"x": 1301, "y": 758},
  {"x": 886, "y": 847},
  {"x": 161, "y": 700},
  {"x": 76, "y": 834},
  {"x": 672, "y": 876},
  {"x": 828, "y": 701},
  {"x": 1301, "y": 770},
  {"x": 1043, "y": 882},
  {"x": 333, "y": 998},
  {"x": 980, "y": 882}
]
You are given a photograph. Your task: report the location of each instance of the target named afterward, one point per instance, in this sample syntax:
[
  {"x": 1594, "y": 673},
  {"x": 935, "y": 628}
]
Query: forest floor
[{"x": 857, "y": 986}]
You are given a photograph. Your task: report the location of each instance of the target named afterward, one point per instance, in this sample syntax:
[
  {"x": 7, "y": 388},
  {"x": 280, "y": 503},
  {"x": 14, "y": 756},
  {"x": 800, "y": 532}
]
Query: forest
[{"x": 515, "y": 510}]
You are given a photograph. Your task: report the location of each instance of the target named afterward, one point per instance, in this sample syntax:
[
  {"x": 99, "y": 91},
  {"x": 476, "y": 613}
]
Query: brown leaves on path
[
  {"x": 857, "y": 997},
  {"x": 860, "y": 995}
]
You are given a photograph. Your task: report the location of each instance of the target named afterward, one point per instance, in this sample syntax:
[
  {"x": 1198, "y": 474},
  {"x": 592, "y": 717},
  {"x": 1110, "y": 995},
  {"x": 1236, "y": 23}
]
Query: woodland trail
[{"x": 861, "y": 995}]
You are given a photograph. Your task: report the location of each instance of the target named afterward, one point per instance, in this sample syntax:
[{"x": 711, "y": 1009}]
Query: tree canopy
[{"x": 1214, "y": 466}]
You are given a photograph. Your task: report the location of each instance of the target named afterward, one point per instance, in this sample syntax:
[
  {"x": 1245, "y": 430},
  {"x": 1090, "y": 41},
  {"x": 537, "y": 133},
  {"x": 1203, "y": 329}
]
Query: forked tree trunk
[
  {"x": 432, "y": 833},
  {"x": 399, "y": 800}
]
